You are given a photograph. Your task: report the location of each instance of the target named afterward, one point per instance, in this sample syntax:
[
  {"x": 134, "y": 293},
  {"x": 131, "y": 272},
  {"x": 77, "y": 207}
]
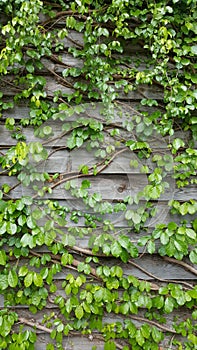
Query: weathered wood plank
[
  {"x": 147, "y": 267},
  {"x": 53, "y": 83},
  {"x": 118, "y": 219},
  {"x": 59, "y": 137},
  {"x": 126, "y": 110},
  {"x": 75, "y": 341},
  {"x": 110, "y": 187}
]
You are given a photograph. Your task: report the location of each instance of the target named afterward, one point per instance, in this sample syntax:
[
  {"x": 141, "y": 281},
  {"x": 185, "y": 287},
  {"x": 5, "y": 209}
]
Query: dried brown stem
[
  {"x": 156, "y": 277},
  {"x": 163, "y": 328},
  {"x": 181, "y": 263}
]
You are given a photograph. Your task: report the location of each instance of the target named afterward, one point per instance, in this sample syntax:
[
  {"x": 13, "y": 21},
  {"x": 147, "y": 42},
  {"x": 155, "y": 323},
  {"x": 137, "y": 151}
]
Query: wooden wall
[{"x": 114, "y": 183}]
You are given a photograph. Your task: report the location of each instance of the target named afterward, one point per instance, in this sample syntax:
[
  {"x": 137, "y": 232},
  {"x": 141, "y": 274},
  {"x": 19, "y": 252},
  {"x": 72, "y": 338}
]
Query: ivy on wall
[{"x": 39, "y": 235}]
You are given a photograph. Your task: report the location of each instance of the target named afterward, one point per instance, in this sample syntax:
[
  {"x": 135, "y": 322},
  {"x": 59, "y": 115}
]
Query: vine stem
[
  {"x": 34, "y": 325},
  {"x": 156, "y": 277},
  {"x": 61, "y": 181},
  {"x": 181, "y": 263},
  {"x": 49, "y": 331},
  {"x": 136, "y": 318},
  {"x": 75, "y": 263},
  {"x": 164, "y": 328}
]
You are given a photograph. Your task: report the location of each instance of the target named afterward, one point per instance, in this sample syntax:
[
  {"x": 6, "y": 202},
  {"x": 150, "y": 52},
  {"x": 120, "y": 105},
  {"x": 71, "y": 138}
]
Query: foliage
[{"x": 126, "y": 50}]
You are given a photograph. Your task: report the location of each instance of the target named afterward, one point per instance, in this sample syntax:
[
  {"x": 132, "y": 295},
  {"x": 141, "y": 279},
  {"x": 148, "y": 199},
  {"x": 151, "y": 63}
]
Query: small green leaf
[
  {"x": 35, "y": 147},
  {"x": 3, "y": 257},
  {"x": 190, "y": 233},
  {"x": 28, "y": 279},
  {"x": 12, "y": 278},
  {"x": 116, "y": 249},
  {"x": 37, "y": 279},
  {"x": 79, "y": 312},
  {"x": 11, "y": 228},
  {"x": 151, "y": 247},
  {"x": 177, "y": 143},
  {"x": 109, "y": 345},
  {"x": 139, "y": 337},
  {"x": 3, "y": 282},
  {"x": 193, "y": 256},
  {"x": 23, "y": 271},
  {"x": 168, "y": 305},
  {"x": 194, "y": 49},
  {"x": 27, "y": 241},
  {"x": 157, "y": 335}
]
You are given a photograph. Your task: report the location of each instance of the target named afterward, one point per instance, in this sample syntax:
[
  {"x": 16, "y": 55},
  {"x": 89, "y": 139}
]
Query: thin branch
[
  {"x": 181, "y": 263},
  {"x": 35, "y": 325},
  {"x": 156, "y": 277},
  {"x": 154, "y": 323},
  {"x": 49, "y": 331},
  {"x": 85, "y": 175},
  {"x": 64, "y": 81},
  {"x": 75, "y": 263}
]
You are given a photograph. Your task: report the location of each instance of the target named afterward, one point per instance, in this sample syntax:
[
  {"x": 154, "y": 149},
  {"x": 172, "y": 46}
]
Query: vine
[{"x": 112, "y": 83}]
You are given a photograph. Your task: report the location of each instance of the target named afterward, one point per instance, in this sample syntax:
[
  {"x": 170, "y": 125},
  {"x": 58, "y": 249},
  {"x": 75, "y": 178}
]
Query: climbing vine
[{"x": 102, "y": 82}]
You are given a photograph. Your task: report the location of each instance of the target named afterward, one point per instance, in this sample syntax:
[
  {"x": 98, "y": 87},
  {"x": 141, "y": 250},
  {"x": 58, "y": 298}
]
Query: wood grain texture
[{"x": 112, "y": 187}]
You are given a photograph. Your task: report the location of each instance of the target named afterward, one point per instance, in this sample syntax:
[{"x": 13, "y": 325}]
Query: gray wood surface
[{"x": 112, "y": 187}]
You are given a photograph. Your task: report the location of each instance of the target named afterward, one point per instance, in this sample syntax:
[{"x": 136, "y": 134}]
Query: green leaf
[
  {"x": 11, "y": 228},
  {"x": 79, "y": 312},
  {"x": 30, "y": 222},
  {"x": 116, "y": 249},
  {"x": 151, "y": 247},
  {"x": 139, "y": 337},
  {"x": 98, "y": 295},
  {"x": 194, "y": 224},
  {"x": 136, "y": 218},
  {"x": 28, "y": 241},
  {"x": 168, "y": 305},
  {"x": 190, "y": 233},
  {"x": 22, "y": 220},
  {"x": 192, "y": 337},
  {"x": 164, "y": 237},
  {"x": 28, "y": 280},
  {"x": 132, "y": 215},
  {"x": 3, "y": 282},
  {"x": 183, "y": 209},
  {"x": 124, "y": 308},
  {"x": 23, "y": 271},
  {"x": 157, "y": 335},
  {"x": 109, "y": 345},
  {"x": 178, "y": 143},
  {"x": 194, "y": 49},
  {"x": 35, "y": 147},
  {"x": 12, "y": 278},
  {"x": 47, "y": 130},
  {"x": 37, "y": 279},
  {"x": 193, "y": 256},
  {"x": 3, "y": 257}
]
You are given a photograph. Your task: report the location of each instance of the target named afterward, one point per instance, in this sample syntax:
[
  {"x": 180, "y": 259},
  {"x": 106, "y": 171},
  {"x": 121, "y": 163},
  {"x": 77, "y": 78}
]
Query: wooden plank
[
  {"x": 54, "y": 83},
  {"x": 147, "y": 267},
  {"x": 110, "y": 187},
  {"x": 126, "y": 110},
  {"x": 153, "y": 264},
  {"x": 84, "y": 244},
  {"x": 76, "y": 341},
  {"x": 118, "y": 219},
  {"x": 59, "y": 137}
]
